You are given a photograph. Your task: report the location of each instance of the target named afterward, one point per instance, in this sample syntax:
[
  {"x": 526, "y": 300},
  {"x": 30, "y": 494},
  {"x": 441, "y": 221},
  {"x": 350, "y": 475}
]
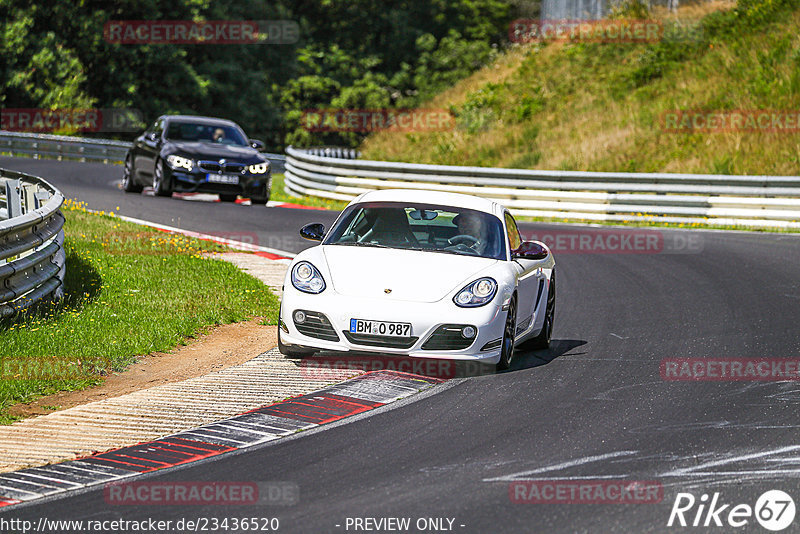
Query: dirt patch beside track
[{"x": 222, "y": 347}]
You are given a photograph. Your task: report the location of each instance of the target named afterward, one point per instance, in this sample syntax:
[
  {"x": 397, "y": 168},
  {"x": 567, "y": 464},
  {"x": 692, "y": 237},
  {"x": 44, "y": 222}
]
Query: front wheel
[
  {"x": 129, "y": 184},
  {"x": 509, "y": 334},
  {"x": 260, "y": 200},
  {"x": 290, "y": 351},
  {"x": 160, "y": 181}
]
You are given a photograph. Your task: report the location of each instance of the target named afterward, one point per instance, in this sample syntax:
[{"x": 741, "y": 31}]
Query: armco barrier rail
[
  {"x": 82, "y": 148},
  {"x": 32, "y": 259},
  {"x": 63, "y": 147},
  {"x": 752, "y": 201}
]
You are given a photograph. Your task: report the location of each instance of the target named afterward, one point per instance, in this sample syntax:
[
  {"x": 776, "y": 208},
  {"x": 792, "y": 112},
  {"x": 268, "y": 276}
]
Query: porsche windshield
[
  {"x": 444, "y": 229},
  {"x": 209, "y": 133}
]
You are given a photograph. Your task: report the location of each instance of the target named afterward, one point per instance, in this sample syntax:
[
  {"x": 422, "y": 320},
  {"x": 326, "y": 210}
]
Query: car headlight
[
  {"x": 306, "y": 278},
  {"x": 476, "y": 293},
  {"x": 258, "y": 168},
  {"x": 179, "y": 162}
]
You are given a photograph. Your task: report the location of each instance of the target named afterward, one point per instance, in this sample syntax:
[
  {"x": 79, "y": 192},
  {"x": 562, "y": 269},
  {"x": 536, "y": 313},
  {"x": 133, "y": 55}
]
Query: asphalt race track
[
  {"x": 594, "y": 406},
  {"x": 98, "y": 185}
]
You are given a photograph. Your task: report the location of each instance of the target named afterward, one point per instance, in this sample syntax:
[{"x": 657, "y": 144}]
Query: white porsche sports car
[{"x": 419, "y": 273}]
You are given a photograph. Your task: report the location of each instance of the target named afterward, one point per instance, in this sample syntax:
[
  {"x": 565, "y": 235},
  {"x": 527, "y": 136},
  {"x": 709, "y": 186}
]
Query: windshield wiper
[
  {"x": 359, "y": 244},
  {"x": 440, "y": 250}
]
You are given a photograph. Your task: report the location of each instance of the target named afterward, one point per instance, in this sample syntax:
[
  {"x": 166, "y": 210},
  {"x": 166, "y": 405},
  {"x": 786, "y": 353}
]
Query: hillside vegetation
[
  {"x": 600, "y": 106},
  {"x": 347, "y": 54}
]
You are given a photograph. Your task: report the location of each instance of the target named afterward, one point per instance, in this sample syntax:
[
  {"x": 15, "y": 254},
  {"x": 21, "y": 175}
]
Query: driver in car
[
  {"x": 219, "y": 135},
  {"x": 472, "y": 225}
]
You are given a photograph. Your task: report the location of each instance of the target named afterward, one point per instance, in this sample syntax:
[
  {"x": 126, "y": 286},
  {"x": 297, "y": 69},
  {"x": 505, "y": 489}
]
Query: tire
[
  {"x": 160, "y": 185},
  {"x": 542, "y": 341},
  {"x": 257, "y": 200},
  {"x": 509, "y": 334},
  {"x": 228, "y": 198},
  {"x": 129, "y": 184},
  {"x": 290, "y": 351}
]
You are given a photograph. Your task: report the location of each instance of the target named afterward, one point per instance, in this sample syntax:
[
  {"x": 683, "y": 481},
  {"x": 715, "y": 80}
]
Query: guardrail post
[
  {"x": 29, "y": 196},
  {"x": 13, "y": 200},
  {"x": 40, "y": 198}
]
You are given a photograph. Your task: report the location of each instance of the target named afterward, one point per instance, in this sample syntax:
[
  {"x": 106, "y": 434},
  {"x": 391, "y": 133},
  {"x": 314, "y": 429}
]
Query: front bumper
[
  {"x": 425, "y": 319},
  {"x": 250, "y": 185}
]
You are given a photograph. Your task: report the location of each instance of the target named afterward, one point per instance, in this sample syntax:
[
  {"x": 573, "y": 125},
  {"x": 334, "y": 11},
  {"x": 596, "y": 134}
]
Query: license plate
[
  {"x": 380, "y": 328},
  {"x": 229, "y": 179}
]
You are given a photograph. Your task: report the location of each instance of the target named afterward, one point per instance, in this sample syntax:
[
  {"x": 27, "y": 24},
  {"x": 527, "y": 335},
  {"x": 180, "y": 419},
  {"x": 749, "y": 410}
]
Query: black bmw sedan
[{"x": 192, "y": 154}]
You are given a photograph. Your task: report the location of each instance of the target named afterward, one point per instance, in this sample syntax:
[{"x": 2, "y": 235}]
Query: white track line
[{"x": 208, "y": 237}]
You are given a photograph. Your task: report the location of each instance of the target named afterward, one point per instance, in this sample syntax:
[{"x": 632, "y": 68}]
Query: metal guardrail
[
  {"x": 82, "y": 148},
  {"x": 753, "y": 201},
  {"x": 64, "y": 147},
  {"x": 32, "y": 257}
]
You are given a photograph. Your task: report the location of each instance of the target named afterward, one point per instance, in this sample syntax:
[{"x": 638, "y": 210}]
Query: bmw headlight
[
  {"x": 476, "y": 294},
  {"x": 179, "y": 162},
  {"x": 258, "y": 168},
  {"x": 306, "y": 278}
]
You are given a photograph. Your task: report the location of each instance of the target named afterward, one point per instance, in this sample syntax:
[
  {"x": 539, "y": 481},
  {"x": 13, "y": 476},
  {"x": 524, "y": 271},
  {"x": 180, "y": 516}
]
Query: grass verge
[
  {"x": 602, "y": 106},
  {"x": 279, "y": 195},
  {"x": 129, "y": 291}
]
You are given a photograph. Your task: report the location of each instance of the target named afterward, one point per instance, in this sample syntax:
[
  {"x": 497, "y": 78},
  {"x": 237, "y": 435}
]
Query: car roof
[
  {"x": 432, "y": 197},
  {"x": 199, "y": 119}
]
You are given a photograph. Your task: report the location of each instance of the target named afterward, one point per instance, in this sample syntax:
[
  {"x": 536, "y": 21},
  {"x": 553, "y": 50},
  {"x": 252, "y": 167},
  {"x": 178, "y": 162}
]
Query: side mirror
[
  {"x": 258, "y": 145},
  {"x": 152, "y": 137},
  {"x": 313, "y": 232},
  {"x": 530, "y": 250}
]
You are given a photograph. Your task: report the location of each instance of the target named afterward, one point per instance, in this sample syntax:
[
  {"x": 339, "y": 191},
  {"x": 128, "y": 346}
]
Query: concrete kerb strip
[
  {"x": 158, "y": 411},
  {"x": 333, "y": 403},
  {"x": 161, "y": 410}
]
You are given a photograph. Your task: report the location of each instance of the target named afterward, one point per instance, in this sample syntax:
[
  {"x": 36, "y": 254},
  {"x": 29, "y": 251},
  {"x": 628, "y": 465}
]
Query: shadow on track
[{"x": 534, "y": 358}]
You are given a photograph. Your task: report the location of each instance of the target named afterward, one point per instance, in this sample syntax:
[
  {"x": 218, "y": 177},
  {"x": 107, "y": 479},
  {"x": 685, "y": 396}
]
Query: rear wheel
[
  {"x": 228, "y": 198},
  {"x": 509, "y": 334},
  {"x": 129, "y": 184},
  {"x": 160, "y": 181},
  {"x": 542, "y": 341}
]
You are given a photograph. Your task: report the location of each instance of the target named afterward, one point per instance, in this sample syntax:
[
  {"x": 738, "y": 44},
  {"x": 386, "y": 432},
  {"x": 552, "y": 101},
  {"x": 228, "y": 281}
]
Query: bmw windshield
[
  {"x": 443, "y": 229},
  {"x": 220, "y": 134}
]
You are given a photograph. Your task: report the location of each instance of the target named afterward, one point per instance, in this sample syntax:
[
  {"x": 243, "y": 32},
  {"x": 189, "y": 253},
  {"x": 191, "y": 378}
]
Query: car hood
[
  {"x": 211, "y": 151},
  {"x": 410, "y": 275}
]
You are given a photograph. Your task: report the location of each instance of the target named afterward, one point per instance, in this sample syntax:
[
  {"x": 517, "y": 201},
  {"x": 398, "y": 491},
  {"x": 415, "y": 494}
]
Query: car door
[
  {"x": 147, "y": 149},
  {"x": 530, "y": 278}
]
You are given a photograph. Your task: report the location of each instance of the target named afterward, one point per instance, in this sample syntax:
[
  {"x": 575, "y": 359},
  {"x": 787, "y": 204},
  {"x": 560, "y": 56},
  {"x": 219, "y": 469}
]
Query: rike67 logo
[{"x": 774, "y": 510}]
